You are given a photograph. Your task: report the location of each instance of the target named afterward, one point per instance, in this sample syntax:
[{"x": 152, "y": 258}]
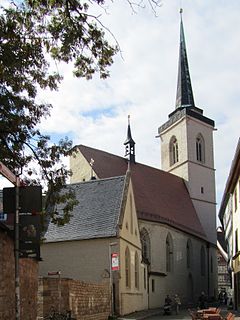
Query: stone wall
[
  {"x": 28, "y": 282},
  {"x": 86, "y": 301}
]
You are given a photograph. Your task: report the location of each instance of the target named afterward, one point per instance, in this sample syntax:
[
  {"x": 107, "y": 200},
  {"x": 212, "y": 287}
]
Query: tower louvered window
[
  {"x": 173, "y": 151},
  {"x": 200, "y": 148}
]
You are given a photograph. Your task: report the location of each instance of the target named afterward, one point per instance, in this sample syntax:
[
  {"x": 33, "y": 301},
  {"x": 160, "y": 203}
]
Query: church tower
[{"x": 187, "y": 146}]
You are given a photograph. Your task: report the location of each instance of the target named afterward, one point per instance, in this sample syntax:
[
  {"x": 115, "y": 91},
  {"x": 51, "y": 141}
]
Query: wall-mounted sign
[
  {"x": 115, "y": 261},
  {"x": 29, "y": 236}
]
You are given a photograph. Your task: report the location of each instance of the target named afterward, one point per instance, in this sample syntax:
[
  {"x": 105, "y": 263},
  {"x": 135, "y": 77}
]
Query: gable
[{"x": 129, "y": 229}]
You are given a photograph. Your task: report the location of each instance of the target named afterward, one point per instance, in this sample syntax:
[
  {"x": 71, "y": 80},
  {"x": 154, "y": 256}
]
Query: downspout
[{"x": 208, "y": 278}]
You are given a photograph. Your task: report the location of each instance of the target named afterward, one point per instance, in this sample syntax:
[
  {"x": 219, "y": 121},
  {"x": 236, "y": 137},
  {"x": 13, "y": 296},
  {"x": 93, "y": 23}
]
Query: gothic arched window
[
  {"x": 136, "y": 266},
  {"x": 200, "y": 148},
  {"x": 146, "y": 249},
  {"x": 169, "y": 253},
  {"x": 203, "y": 261},
  {"x": 127, "y": 268},
  {"x": 173, "y": 148},
  {"x": 189, "y": 254}
]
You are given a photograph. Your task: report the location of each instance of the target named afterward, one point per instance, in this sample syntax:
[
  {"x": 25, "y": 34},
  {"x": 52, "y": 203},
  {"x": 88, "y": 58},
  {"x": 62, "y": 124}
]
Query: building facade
[{"x": 229, "y": 215}]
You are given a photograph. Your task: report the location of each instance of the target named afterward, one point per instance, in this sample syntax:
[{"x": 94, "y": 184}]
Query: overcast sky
[{"x": 143, "y": 81}]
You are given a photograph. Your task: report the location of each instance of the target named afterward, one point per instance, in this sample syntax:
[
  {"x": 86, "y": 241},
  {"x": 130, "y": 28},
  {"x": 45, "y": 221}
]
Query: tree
[{"x": 31, "y": 33}]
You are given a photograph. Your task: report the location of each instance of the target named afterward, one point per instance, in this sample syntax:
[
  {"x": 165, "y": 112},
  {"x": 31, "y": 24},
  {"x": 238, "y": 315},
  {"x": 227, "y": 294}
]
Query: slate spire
[
  {"x": 129, "y": 144},
  {"x": 184, "y": 96}
]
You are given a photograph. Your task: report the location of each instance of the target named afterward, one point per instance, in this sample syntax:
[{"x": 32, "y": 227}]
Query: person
[
  {"x": 202, "y": 301},
  {"x": 168, "y": 300},
  {"x": 225, "y": 297},
  {"x": 177, "y": 303},
  {"x": 168, "y": 305}
]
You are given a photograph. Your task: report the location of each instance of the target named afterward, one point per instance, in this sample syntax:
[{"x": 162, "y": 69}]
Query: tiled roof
[
  {"x": 97, "y": 213},
  {"x": 160, "y": 196}
]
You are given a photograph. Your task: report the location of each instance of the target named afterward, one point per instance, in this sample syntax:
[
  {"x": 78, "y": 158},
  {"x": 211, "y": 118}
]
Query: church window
[
  {"x": 131, "y": 215},
  {"x": 203, "y": 261},
  {"x": 173, "y": 151},
  {"x": 153, "y": 285},
  {"x": 189, "y": 254},
  {"x": 145, "y": 279},
  {"x": 169, "y": 253},
  {"x": 200, "y": 148},
  {"x": 127, "y": 268},
  {"x": 136, "y": 271},
  {"x": 145, "y": 241}
]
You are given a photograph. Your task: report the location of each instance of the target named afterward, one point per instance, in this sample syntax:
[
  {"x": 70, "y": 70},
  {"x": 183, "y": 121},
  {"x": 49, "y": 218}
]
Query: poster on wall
[{"x": 115, "y": 262}]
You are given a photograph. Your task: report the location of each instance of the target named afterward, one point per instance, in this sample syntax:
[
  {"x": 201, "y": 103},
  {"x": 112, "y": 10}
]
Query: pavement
[{"x": 157, "y": 314}]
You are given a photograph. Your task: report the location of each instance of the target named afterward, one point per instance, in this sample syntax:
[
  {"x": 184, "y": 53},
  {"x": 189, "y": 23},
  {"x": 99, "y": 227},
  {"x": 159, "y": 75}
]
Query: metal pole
[
  {"x": 16, "y": 251},
  {"x": 110, "y": 277},
  {"x": 59, "y": 291}
]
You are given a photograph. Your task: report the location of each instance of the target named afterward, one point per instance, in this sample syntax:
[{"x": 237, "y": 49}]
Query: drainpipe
[{"x": 208, "y": 278}]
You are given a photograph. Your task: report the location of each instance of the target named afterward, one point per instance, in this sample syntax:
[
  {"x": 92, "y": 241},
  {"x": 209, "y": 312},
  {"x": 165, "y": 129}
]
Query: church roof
[
  {"x": 97, "y": 213},
  {"x": 159, "y": 196}
]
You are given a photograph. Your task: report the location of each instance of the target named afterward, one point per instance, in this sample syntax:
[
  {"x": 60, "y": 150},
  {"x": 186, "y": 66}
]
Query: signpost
[{"x": 29, "y": 240}]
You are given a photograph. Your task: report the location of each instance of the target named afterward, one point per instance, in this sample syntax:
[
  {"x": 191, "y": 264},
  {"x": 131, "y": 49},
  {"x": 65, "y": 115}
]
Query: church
[{"x": 166, "y": 218}]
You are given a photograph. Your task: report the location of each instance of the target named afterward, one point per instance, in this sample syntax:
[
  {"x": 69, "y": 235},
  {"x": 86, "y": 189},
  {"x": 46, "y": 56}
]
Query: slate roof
[
  {"x": 97, "y": 213},
  {"x": 159, "y": 196}
]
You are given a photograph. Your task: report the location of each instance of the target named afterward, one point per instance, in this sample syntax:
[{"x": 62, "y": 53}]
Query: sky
[{"x": 143, "y": 81}]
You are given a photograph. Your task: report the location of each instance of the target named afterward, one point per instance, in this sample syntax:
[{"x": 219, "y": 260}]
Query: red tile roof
[{"x": 159, "y": 196}]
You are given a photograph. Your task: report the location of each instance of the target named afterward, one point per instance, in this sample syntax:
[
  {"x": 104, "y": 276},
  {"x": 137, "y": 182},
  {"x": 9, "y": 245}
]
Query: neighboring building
[
  {"x": 104, "y": 220},
  {"x": 229, "y": 215},
  {"x": 224, "y": 277}
]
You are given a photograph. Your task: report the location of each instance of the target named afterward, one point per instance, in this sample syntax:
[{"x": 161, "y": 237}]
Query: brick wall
[
  {"x": 86, "y": 301},
  {"x": 7, "y": 282},
  {"x": 28, "y": 282}
]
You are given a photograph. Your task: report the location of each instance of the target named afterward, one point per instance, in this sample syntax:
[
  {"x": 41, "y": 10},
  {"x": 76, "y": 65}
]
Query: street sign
[
  {"x": 30, "y": 199},
  {"x": 115, "y": 261}
]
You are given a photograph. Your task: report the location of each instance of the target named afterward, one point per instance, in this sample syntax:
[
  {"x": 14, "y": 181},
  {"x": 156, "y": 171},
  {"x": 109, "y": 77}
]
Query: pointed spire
[
  {"x": 130, "y": 144},
  {"x": 184, "y": 96}
]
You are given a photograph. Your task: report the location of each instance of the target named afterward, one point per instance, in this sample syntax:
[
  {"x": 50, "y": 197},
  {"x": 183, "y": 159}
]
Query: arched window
[
  {"x": 136, "y": 265},
  {"x": 169, "y": 253},
  {"x": 145, "y": 241},
  {"x": 189, "y": 254},
  {"x": 127, "y": 268},
  {"x": 203, "y": 261},
  {"x": 173, "y": 148},
  {"x": 200, "y": 148}
]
